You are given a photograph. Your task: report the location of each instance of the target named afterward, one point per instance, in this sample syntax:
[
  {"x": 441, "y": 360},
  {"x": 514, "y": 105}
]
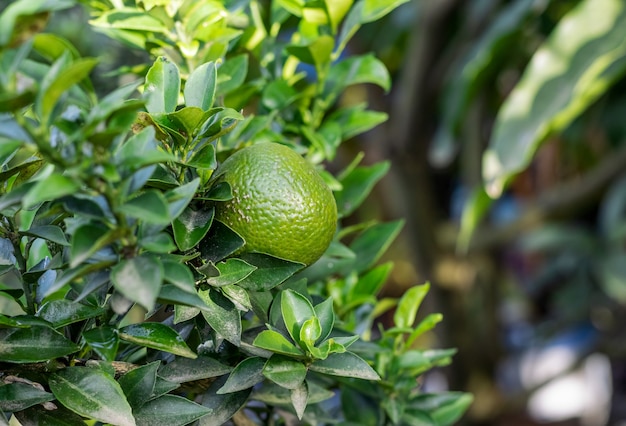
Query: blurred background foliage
[{"x": 506, "y": 139}]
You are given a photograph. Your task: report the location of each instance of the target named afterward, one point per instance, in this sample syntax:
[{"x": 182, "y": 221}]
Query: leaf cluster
[{"x": 121, "y": 299}]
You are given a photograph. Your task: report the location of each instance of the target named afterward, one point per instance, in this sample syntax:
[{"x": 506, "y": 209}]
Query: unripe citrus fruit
[{"x": 281, "y": 206}]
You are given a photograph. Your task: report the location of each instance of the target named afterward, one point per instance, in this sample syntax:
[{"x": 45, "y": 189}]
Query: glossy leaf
[
  {"x": 141, "y": 150},
  {"x": 104, "y": 341},
  {"x": 373, "y": 242},
  {"x": 326, "y": 315},
  {"x": 156, "y": 336},
  {"x": 19, "y": 396},
  {"x": 299, "y": 398},
  {"x": 138, "y": 384},
  {"x": 373, "y": 10},
  {"x": 179, "y": 275},
  {"x": 92, "y": 393},
  {"x": 62, "y": 75},
  {"x": 345, "y": 364},
  {"x": 220, "y": 242},
  {"x": 149, "y": 206},
  {"x": 579, "y": 62},
  {"x": 231, "y": 271},
  {"x": 296, "y": 310},
  {"x": 409, "y": 303},
  {"x": 221, "y": 406},
  {"x": 246, "y": 374},
  {"x": 183, "y": 370},
  {"x": 222, "y": 315},
  {"x": 129, "y": 19},
  {"x": 270, "y": 271},
  {"x": 200, "y": 86},
  {"x": 162, "y": 86},
  {"x": 275, "y": 342},
  {"x": 48, "y": 232},
  {"x": 191, "y": 227},
  {"x": 87, "y": 240},
  {"x": 139, "y": 279},
  {"x": 355, "y": 120},
  {"x": 16, "y": 345},
  {"x": 283, "y": 371},
  {"x": 180, "y": 197},
  {"x": 53, "y": 187},
  {"x": 171, "y": 410},
  {"x": 38, "y": 415},
  {"x": 357, "y": 70},
  {"x": 63, "y": 312},
  {"x": 357, "y": 185}
]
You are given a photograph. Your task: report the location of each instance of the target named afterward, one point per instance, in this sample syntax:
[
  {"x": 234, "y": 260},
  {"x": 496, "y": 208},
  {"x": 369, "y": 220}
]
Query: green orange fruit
[{"x": 281, "y": 206}]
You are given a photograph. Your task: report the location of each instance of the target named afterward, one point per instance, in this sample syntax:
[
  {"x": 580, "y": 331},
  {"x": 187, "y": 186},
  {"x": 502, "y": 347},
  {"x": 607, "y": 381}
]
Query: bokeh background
[{"x": 534, "y": 296}]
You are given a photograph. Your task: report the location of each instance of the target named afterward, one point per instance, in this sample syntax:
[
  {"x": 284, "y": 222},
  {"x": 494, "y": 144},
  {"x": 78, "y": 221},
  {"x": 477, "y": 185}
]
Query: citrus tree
[{"x": 173, "y": 250}]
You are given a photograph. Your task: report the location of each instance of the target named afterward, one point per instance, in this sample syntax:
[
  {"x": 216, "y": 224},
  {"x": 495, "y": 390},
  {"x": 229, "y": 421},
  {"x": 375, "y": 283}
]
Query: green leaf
[
  {"x": 296, "y": 310},
  {"x": 326, "y": 315},
  {"x": 171, "y": 410},
  {"x": 299, "y": 397},
  {"x": 18, "y": 17},
  {"x": 275, "y": 342},
  {"x": 220, "y": 242},
  {"x": 179, "y": 275},
  {"x": 278, "y": 94},
  {"x": 156, "y": 336},
  {"x": 345, "y": 364},
  {"x": 20, "y": 396},
  {"x": 48, "y": 232},
  {"x": 191, "y": 226},
  {"x": 138, "y": 384},
  {"x": 581, "y": 59},
  {"x": 183, "y": 370},
  {"x": 104, "y": 341},
  {"x": 285, "y": 372},
  {"x": 355, "y": 120},
  {"x": 16, "y": 345},
  {"x": 63, "y": 312},
  {"x": 405, "y": 313},
  {"x": 149, "y": 206},
  {"x": 220, "y": 123},
  {"x": 200, "y": 86},
  {"x": 357, "y": 185},
  {"x": 246, "y": 374},
  {"x": 62, "y": 75},
  {"x": 309, "y": 334},
  {"x": 139, "y": 279},
  {"x": 222, "y": 315},
  {"x": 358, "y": 70},
  {"x": 53, "y": 187},
  {"x": 427, "y": 324},
  {"x": 270, "y": 271},
  {"x": 444, "y": 408},
  {"x": 180, "y": 197},
  {"x": 172, "y": 295},
  {"x": 127, "y": 18},
  {"x": 162, "y": 86},
  {"x": 316, "y": 53},
  {"x": 38, "y": 415},
  {"x": 222, "y": 406},
  {"x": 373, "y": 10},
  {"x": 231, "y": 271},
  {"x": 141, "y": 150},
  {"x": 231, "y": 74},
  {"x": 474, "y": 210},
  {"x": 204, "y": 158},
  {"x": 373, "y": 242},
  {"x": 92, "y": 393},
  {"x": 87, "y": 240}
]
